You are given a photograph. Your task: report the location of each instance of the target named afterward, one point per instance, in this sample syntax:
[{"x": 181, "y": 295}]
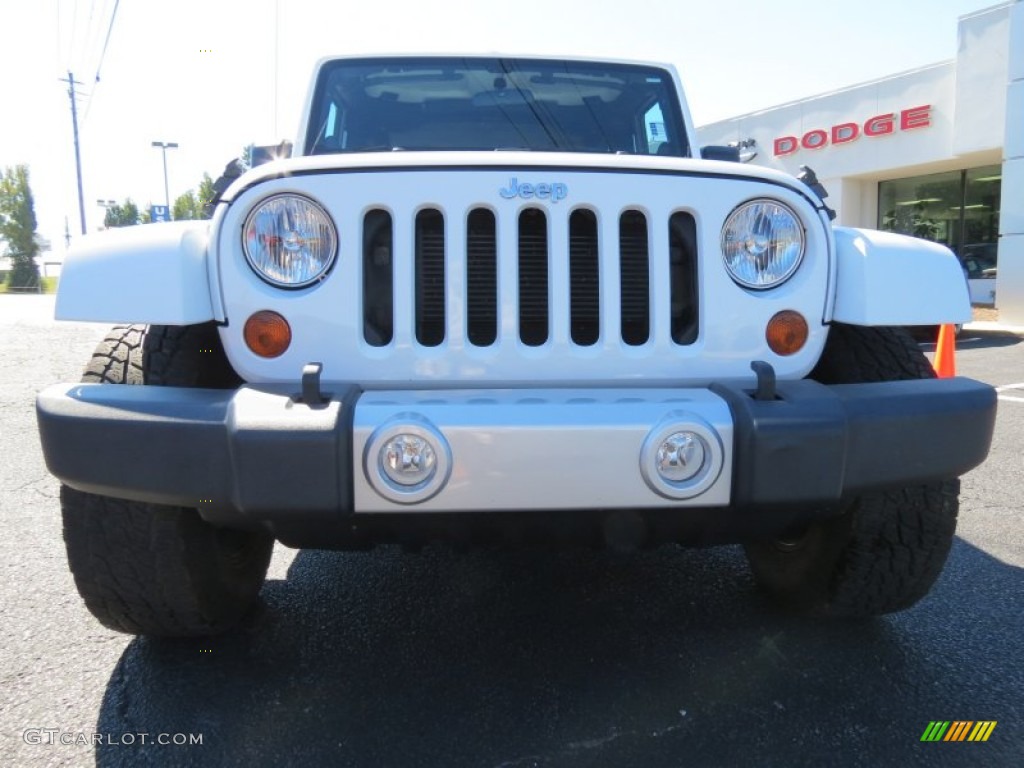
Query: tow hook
[
  {"x": 765, "y": 380},
  {"x": 311, "y": 394}
]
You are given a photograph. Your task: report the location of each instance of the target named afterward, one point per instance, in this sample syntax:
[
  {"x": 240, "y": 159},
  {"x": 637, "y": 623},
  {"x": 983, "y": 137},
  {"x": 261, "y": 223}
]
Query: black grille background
[{"x": 482, "y": 311}]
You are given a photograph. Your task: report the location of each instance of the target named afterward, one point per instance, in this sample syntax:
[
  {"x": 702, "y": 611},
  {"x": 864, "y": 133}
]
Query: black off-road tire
[
  {"x": 152, "y": 569},
  {"x": 885, "y": 551}
]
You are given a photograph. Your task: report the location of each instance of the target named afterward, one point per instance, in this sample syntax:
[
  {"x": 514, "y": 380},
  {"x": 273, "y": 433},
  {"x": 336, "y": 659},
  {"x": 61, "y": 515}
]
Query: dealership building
[{"x": 937, "y": 152}]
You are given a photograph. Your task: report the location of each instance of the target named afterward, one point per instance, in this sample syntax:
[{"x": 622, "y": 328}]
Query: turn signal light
[
  {"x": 786, "y": 333},
  {"x": 267, "y": 333}
]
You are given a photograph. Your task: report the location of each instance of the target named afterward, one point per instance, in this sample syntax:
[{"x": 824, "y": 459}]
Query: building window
[
  {"x": 959, "y": 209},
  {"x": 981, "y": 221}
]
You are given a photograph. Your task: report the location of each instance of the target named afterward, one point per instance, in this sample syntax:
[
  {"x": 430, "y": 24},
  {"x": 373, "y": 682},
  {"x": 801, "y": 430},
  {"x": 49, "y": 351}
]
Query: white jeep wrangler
[{"x": 507, "y": 299}]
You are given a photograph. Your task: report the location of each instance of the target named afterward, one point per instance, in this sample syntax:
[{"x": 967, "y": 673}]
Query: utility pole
[{"x": 78, "y": 156}]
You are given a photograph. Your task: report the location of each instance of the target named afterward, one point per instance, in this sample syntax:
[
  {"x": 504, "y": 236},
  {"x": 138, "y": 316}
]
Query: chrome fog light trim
[
  {"x": 407, "y": 460},
  {"x": 681, "y": 457}
]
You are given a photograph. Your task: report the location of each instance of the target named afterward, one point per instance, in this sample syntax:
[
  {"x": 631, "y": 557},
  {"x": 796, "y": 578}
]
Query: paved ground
[{"x": 525, "y": 659}]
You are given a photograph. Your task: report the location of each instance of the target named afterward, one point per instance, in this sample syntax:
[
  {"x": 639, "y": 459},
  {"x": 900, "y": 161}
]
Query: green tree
[
  {"x": 194, "y": 205},
  {"x": 206, "y": 193},
  {"x": 18, "y": 226},
  {"x": 186, "y": 207},
  {"x": 124, "y": 214}
]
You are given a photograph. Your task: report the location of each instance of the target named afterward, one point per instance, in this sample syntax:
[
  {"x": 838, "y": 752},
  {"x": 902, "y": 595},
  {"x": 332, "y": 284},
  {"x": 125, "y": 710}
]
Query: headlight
[
  {"x": 289, "y": 240},
  {"x": 762, "y": 244}
]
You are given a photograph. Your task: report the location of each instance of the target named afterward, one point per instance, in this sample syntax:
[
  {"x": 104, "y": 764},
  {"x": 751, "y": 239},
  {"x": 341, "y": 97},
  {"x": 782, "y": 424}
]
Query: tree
[
  {"x": 185, "y": 207},
  {"x": 206, "y": 193},
  {"x": 18, "y": 226},
  {"x": 125, "y": 214},
  {"x": 193, "y": 205}
]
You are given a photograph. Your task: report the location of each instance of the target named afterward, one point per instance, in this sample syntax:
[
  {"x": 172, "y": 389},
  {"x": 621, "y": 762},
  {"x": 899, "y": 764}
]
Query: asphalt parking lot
[{"x": 515, "y": 659}]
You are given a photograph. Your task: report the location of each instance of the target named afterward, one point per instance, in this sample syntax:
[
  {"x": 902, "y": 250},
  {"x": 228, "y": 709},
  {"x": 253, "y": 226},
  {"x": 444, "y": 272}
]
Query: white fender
[
  {"x": 888, "y": 279},
  {"x": 150, "y": 273}
]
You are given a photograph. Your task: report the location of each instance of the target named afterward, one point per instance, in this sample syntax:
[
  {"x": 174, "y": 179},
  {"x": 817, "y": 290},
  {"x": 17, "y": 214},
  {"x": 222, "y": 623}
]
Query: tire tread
[
  {"x": 153, "y": 569},
  {"x": 886, "y": 550}
]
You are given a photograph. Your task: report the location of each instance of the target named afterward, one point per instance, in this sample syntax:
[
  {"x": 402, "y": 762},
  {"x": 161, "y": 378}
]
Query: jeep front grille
[{"x": 484, "y": 294}]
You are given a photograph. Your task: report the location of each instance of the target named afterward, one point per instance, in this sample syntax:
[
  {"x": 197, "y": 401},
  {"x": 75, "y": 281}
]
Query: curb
[{"x": 987, "y": 326}]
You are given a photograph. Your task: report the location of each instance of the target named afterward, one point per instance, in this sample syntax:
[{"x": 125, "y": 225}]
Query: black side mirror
[{"x": 725, "y": 154}]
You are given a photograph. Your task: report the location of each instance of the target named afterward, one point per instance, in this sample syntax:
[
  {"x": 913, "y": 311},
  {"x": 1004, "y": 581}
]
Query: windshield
[{"x": 367, "y": 105}]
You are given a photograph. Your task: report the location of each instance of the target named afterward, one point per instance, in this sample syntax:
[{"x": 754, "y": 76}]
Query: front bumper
[{"x": 261, "y": 457}]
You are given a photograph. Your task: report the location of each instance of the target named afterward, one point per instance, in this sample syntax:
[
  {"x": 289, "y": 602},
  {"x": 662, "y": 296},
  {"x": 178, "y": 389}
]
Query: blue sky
[{"x": 215, "y": 75}]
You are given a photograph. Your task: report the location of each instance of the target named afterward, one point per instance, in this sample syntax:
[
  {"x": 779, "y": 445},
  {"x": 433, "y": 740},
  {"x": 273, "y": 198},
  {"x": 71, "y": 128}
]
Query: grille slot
[
  {"x": 430, "y": 286},
  {"x": 533, "y": 277},
  {"x": 634, "y": 268},
  {"x": 378, "y": 279},
  {"x": 481, "y": 278},
  {"x": 682, "y": 253},
  {"x": 584, "y": 279}
]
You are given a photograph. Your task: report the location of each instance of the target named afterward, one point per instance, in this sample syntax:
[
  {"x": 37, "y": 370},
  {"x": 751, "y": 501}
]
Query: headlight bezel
[
  {"x": 732, "y": 222},
  {"x": 314, "y": 276}
]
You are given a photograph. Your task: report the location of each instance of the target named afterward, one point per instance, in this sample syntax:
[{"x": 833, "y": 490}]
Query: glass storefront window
[
  {"x": 924, "y": 206},
  {"x": 982, "y": 193},
  {"x": 959, "y": 209}
]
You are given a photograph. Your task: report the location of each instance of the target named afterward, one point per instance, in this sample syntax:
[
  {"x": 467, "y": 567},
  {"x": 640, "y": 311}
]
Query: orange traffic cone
[{"x": 945, "y": 353}]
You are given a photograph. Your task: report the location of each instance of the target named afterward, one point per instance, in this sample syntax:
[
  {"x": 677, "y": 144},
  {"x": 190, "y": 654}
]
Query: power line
[
  {"x": 103, "y": 55},
  {"x": 74, "y": 36},
  {"x": 106, "y": 41},
  {"x": 59, "y": 38},
  {"x": 89, "y": 29}
]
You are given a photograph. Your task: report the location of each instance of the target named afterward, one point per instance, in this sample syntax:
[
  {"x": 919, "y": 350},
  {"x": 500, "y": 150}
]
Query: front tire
[
  {"x": 153, "y": 569},
  {"x": 887, "y": 548}
]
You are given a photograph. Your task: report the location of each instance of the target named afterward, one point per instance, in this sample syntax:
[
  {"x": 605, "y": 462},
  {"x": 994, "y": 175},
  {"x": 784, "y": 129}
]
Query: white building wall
[
  {"x": 982, "y": 63},
  {"x": 1010, "y": 280},
  {"x": 976, "y": 118},
  {"x": 864, "y": 156}
]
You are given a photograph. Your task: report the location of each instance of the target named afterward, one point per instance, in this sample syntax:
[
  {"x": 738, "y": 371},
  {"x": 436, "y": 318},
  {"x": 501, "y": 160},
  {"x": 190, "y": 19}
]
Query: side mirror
[{"x": 716, "y": 152}]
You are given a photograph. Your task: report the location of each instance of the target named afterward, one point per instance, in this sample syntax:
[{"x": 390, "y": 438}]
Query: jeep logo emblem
[{"x": 552, "y": 192}]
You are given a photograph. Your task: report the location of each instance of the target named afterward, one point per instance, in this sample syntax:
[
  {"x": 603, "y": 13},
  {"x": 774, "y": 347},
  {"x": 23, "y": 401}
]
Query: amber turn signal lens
[
  {"x": 786, "y": 332},
  {"x": 267, "y": 334}
]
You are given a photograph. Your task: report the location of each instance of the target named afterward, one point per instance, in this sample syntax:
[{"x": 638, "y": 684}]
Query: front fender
[
  {"x": 888, "y": 279},
  {"x": 150, "y": 273}
]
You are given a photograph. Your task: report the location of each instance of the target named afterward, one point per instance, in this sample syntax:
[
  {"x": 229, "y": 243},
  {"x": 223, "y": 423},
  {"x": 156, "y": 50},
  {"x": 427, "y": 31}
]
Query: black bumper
[{"x": 288, "y": 466}]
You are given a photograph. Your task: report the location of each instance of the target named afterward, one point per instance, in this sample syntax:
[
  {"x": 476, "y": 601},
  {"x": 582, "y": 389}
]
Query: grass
[{"x": 48, "y": 285}]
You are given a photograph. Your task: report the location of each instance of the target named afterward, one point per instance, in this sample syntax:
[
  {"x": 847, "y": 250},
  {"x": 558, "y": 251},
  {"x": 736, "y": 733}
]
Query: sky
[{"x": 216, "y": 75}]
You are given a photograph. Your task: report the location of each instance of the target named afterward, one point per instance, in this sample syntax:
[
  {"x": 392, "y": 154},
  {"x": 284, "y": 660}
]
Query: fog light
[
  {"x": 407, "y": 460},
  {"x": 680, "y": 456}
]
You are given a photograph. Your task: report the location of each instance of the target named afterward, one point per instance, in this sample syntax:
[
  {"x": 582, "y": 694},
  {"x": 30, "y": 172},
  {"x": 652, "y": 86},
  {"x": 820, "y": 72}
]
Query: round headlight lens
[
  {"x": 762, "y": 244},
  {"x": 289, "y": 241}
]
